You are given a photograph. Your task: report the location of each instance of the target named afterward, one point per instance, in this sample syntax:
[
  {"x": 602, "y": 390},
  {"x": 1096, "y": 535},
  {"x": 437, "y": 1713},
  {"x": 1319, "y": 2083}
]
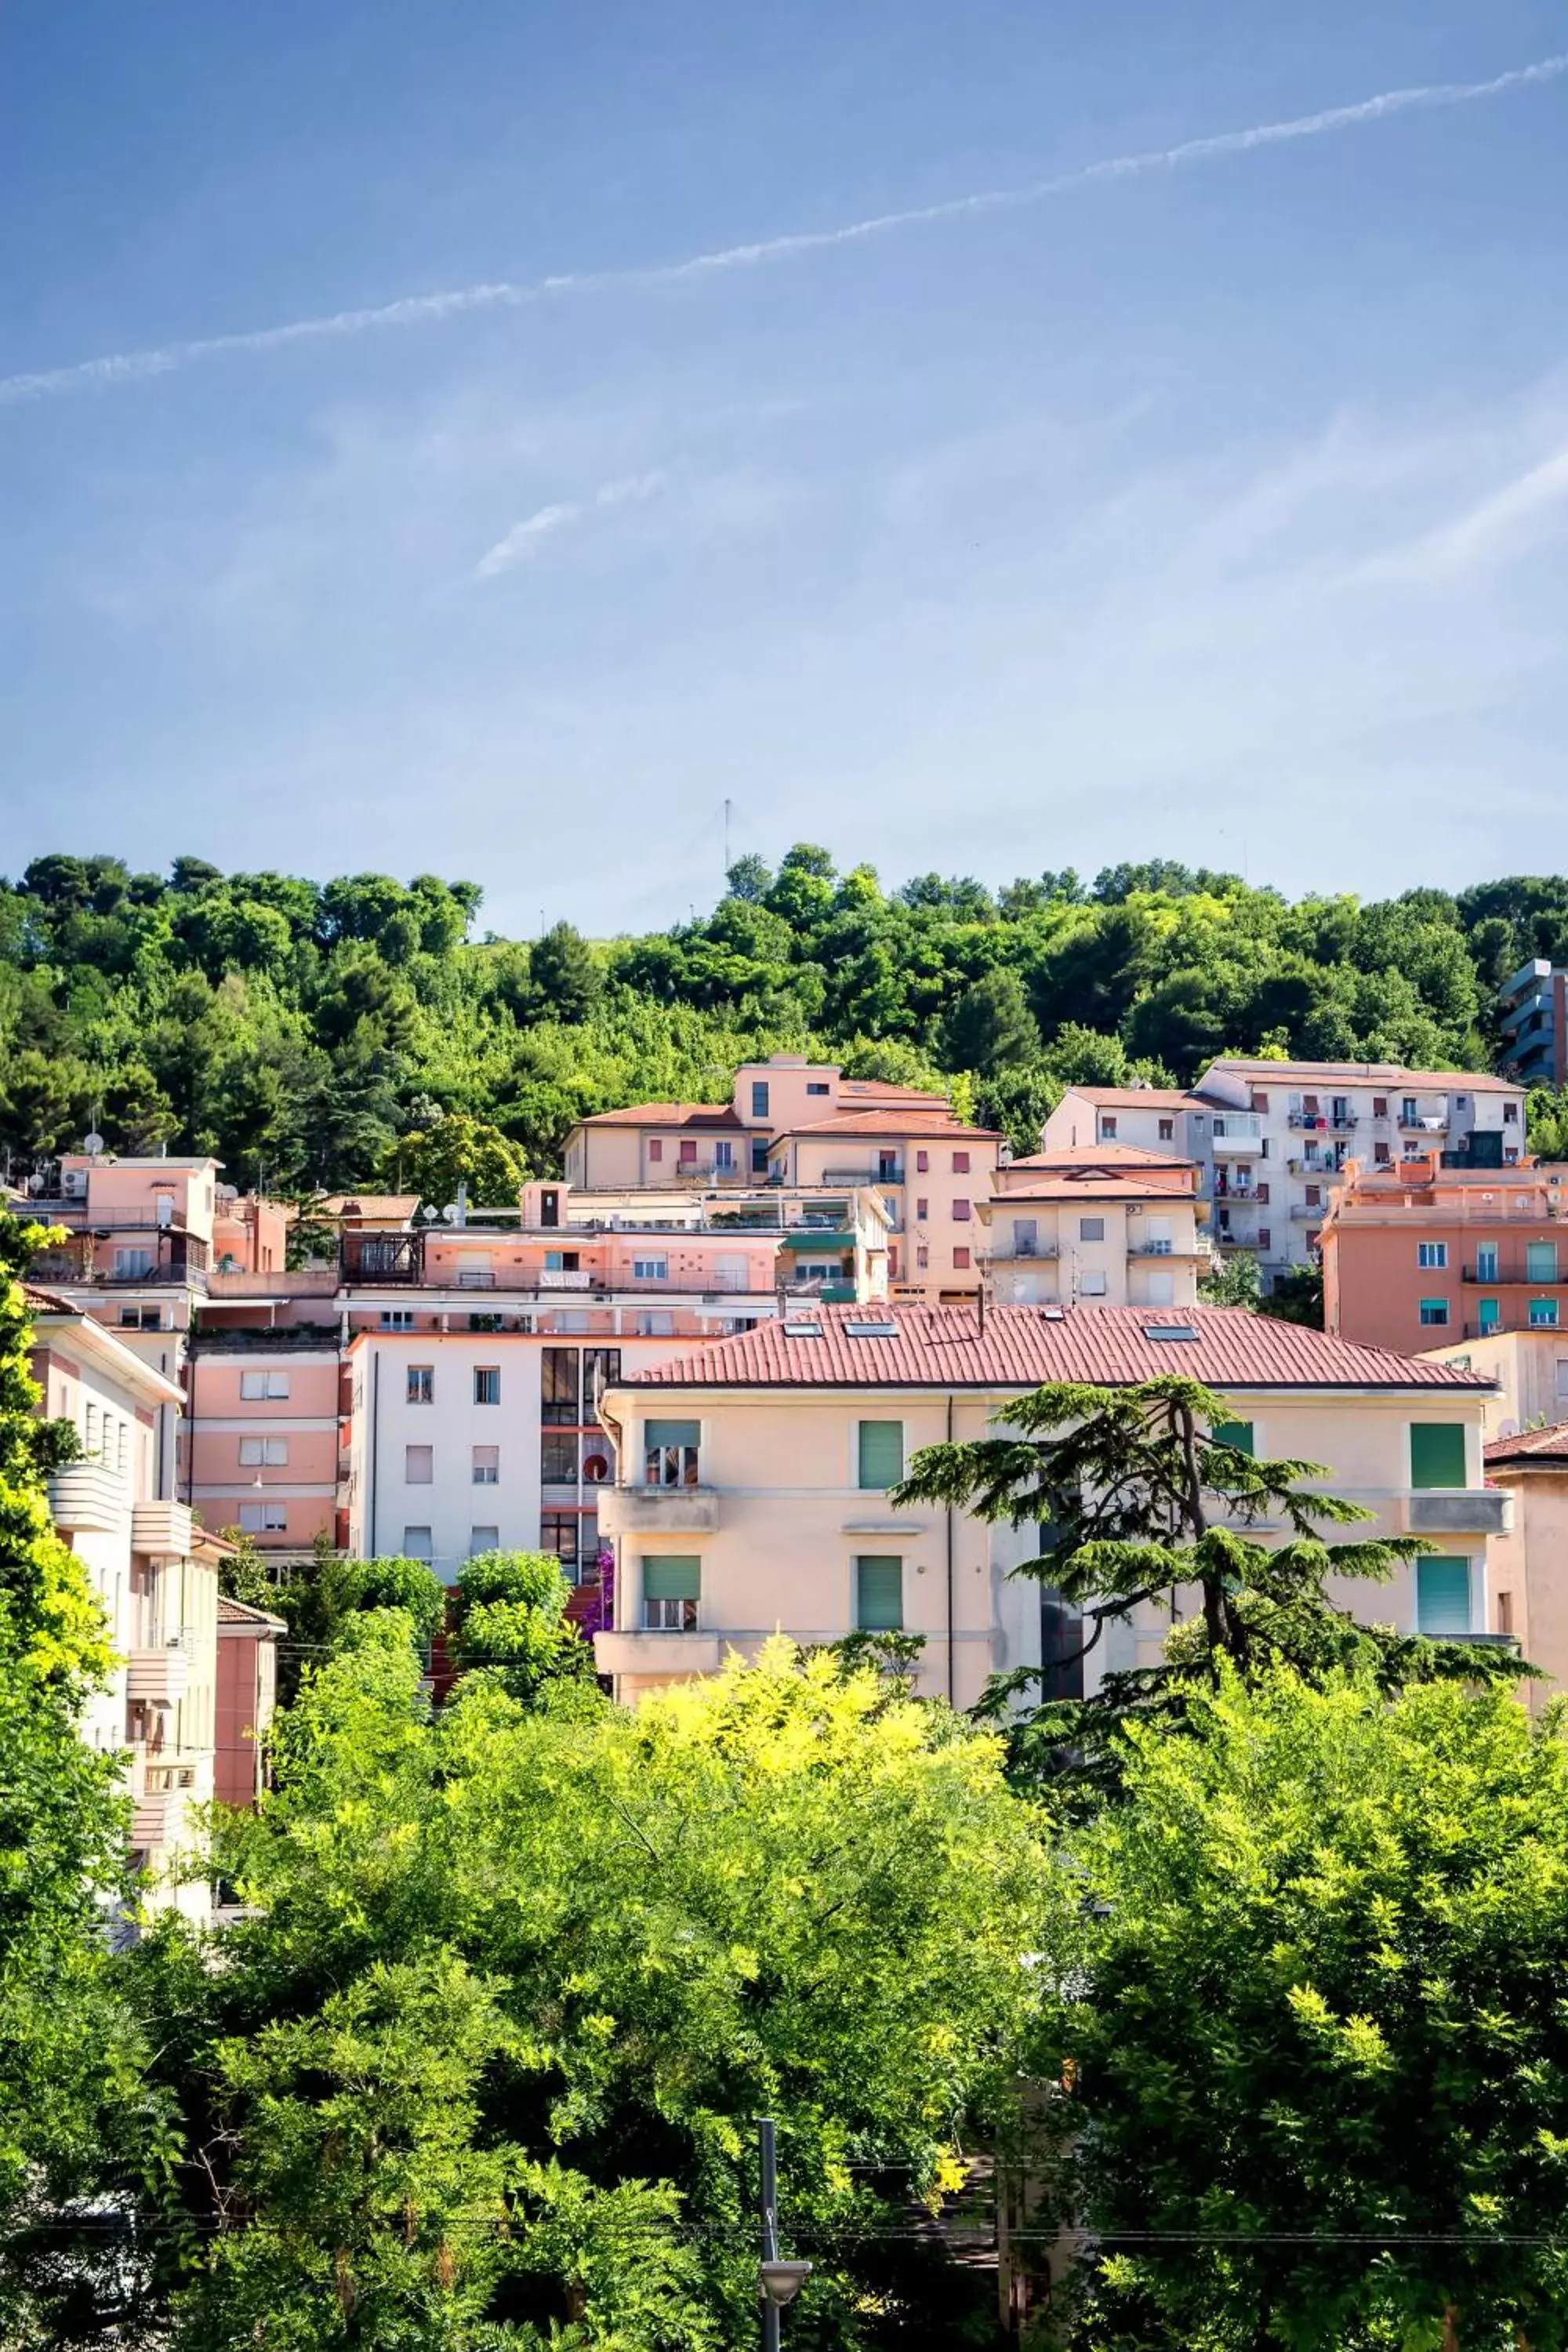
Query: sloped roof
[
  {"x": 401, "y": 1205},
  {"x": 669, "y": 1114},
  {"x": 1092, "y": 1185},
  {"x": 1020, "y": 1346},
  {"x": 241, "y": 1613},
  {"x": 1141, "y": 1098},
  {"x": 1532, "y": 1445},
  {"x": 1121, "y": 1156},
  {"x": 884, "y": 1090},
  {"x": 1370, "y": 1074},
  {"x": 937, "y": 1123}
]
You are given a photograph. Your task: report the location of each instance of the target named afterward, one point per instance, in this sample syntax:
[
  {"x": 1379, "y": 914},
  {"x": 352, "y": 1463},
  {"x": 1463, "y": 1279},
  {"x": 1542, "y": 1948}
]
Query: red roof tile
[
  {"x": 1020, "y": 1346},
  {"x": 240, "y": 1612},
  {"x": 1093, "y": 1184},
  {"x": 1125, "y": 1156},
  {"x": 937, "y": 1123},
  {"x": 1369, "y": 1074},
  {"x": 1532, "y": 1445},
  {"x": 1141, "y": 1098},
  {"x": 669, "y": 1114}
]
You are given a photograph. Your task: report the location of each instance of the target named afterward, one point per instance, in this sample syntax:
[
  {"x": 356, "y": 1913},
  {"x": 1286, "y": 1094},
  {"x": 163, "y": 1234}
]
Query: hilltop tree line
[{"x": 320, "y": 1035}]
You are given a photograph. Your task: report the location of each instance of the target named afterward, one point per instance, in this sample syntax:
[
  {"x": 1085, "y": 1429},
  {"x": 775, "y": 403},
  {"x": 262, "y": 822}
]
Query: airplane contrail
[{"x": 414, "y": 310}]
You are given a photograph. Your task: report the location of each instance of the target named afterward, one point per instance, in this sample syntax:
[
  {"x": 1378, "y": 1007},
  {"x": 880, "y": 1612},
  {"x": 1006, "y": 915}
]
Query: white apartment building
[
  {"x": 1270, "y": 1138},
  {"x": 1113, "y": 1226},
  {"x": 154, "y": 1573}
]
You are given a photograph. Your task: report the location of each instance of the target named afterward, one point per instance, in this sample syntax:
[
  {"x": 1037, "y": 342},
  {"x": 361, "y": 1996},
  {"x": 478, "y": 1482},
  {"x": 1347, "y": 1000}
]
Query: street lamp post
[{"x": 778, "y": 2282}]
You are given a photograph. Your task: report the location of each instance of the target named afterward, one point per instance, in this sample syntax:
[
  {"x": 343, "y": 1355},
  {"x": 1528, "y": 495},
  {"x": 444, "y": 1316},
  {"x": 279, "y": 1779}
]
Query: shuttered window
[
  {"x": 879, "y": 1593},
  {"x": 1443, "y": 1596},
  {"x": 1234, "y": 1433},
  {"x": 881, "y": 1452},
  {"x": 670, "y": 1578},
  {"x": 1436, "y": 1453}
]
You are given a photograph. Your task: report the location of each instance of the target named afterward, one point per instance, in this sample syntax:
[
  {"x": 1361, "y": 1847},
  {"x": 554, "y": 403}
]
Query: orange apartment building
[{"x": 1421, "y": 1257}]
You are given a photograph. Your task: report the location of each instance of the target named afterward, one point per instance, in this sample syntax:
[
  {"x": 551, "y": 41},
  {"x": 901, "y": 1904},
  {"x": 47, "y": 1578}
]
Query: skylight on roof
[
  {"x": 885, "y": 1330},
  {"x": 1169, "y": 1331},
  {"x": 803, "y": 1330}
]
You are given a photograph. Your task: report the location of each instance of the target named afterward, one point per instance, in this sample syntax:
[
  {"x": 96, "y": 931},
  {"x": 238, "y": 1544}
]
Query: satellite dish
[
  {"x": 93, "y": 1143},
  {"x": 449, "y": 1214},
  {"x": 1508, "y": 1428}
]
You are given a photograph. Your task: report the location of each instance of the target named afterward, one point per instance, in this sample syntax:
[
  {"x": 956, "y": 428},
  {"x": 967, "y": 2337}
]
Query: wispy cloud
[
  {"x": 1495, "y": 527},
  {"x": 417, "y": 310},
  {"x": 525, "y": 539}
]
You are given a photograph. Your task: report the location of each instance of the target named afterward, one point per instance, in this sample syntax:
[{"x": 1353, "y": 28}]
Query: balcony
[
  {"x": 1310, "y": 1212},
  {"x": 672, "y": 1654},
  {"x": 84, "y": 1495},
  {"x": 1479, "y": 1330},
  {"x": 1514, "y": 1270},
  {"x": 162, "y": 1530},
  {"x": 566, "y": 1278},
  {"x": 1321, "y": 1122},
  {"x": 657, "y": 1510},
  {"x": 1461, "y": 1511},
  {"x": 1432, "y": 1122},
  {"x": 1022, "y": 1253},
  {"x": 381, "y": 1257},
  {"x": 159, "y": 1676},
  {"x": 1238, "y": 1130},
  {"x": 892, "y": 1174}
]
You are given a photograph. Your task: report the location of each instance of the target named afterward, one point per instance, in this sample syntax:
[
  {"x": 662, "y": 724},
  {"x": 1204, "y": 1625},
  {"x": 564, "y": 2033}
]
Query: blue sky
[{"x": 1214, "y": 510}]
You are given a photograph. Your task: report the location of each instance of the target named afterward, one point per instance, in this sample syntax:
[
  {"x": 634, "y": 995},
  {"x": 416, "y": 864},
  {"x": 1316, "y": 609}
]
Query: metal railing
[{"x": 1511, "y": 1271}]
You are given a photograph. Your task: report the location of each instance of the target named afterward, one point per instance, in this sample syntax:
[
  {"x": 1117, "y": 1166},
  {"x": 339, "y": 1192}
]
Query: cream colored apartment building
[
  {"x": 1111, "y": 1226},
  {"x": 752, "y": 1480}
]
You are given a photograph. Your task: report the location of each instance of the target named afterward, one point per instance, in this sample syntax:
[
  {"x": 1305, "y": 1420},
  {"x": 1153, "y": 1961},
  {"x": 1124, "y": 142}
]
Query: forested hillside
[{"x": 306, "y": 1031}]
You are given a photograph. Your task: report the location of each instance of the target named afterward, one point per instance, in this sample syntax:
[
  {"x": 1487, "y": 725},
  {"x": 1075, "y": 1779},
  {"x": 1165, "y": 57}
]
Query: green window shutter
[
  {"x": 1234, "y": 1433},
  {"x": 879, "y": 1594},
  {"x": 672, "y": 1432},
  {"x": 881, "y": 1452},
  {"x": 1443, "y": 1596},
  {"x": 1436, "y": 1453},
  {"x": 1540, "y": 1261},
  {"x": 670, "y": 1578}
]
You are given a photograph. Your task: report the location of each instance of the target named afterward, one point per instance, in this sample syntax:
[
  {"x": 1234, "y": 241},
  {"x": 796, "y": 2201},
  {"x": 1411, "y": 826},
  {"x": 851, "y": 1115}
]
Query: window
[
  {"x": 557, "y": 1458},
  {"x": 1107, "y": 1130},
  {"x": 1314, "y": 1196},
  {"x": 558, "y": 1375},
  {"x": 961, "y": 1261},
  {"x": 1489, "y": 1315},
  {"x": 922, "y": 1208},
  {"x": 1026, "y": 1236},
  {"x": 483, "y": 1540},
  {"x": 1263, "y": 1237},
  {"x": 397, "y": 1318},
  {"x": 563, "y": 1261},
  {"x": 417, "y": 1544},
  {"x": 922, "y": 1257},
  {"x": 686, "y": 1157},
  {"x": 1486, "y": 1261},
  {"x": 759, "y": 1099},
  {"x": 1511, "y": 1116},
  {"x": 670, "y": 1453},
  {"x": 1443, "y": 1596},
  {"x": 1380, "y": 1155},
  {"x": 1543, "y": 1315},
  {"x": 141, "y": 1318},
  {"x": 1436, "y": 1453},
  {"x": 960, "y": 1163},
  {"x": 922, "y": 1163},
  {"x": 1432, "y": 1256},
  {"x": 1262, "y": 1196},
  {"x": 486, "y": 1466},
  {"x": 253, "y": 1385},
  {"x": 880, "y": 1453},
  {"x": 486, "y": 1384},
  {"x": 1167, "y": 1131},
  {"x": 559, "y": 1531},
  {"x": 1093, "y": 1282},
  {"x": 879, "y": 1593},
  {"x": 656, "y": 1147},
  {"x": 760, "y": 1157},
  {"x": 650, "y": 1269},
  {"x": 420, "y": 1384},
  {"x": 649, "y": 1325},
  {"x": 550, "y": 1208},
  {"x": 960, "y": 1211},
  {"x": 1260, "y": 1103},
  {"x": 263, "y": 1519},
  {"x": 1091, "y": 1229},
  {"x": 1434, "y": 1311},
  {"x": 817, "y": 1087},
  {"x": 724, "y": 1153},
  {"x": 671, "y": 1589},
  {"x": 1380, "y": 1106},
  {"x": 254, "y": 1451},
  {"x": 1540, "y": 1262},
  {"x": 1234, "y": 1433},
  {"x": 1407, "y": 1112}
]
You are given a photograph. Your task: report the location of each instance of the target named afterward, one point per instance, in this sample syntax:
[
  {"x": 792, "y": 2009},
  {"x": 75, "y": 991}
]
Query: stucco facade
[
  {"x": 1529, "y": 1559},
  {"x": 1421, "y": 1256}
]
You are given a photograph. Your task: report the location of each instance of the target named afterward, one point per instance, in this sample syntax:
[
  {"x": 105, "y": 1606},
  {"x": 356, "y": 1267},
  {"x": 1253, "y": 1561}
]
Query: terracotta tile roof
[
  {"x": 400, "y": 1205},
  {"x": 44, "y": 1302},
  {"x": 1141, "y": 1098},
  {"x": 939, "y": 1124},
  {"x": 1532, "y": 1445},
  {"x": 1126, "y": 1156},
  {"x": 883, "y": 1090},
  {"x": 669, "y": 1114},
  {"x": 1370, "y": 1074},
  {"x": 944, "y": 1347},
  {"x": 1089, "y": 1184},
  {"x": 240, "y": 1612}
]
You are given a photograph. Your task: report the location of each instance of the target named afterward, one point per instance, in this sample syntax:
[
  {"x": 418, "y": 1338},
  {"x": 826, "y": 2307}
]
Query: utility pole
[{"x": 778, "y": 2282}]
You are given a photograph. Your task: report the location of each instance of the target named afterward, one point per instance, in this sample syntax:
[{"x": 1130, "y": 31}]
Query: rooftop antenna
[{"x": 728, "y": 810}]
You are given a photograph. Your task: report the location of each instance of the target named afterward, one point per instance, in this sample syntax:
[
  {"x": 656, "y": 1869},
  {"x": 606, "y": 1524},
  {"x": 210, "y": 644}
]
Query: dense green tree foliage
[
  {"x": 308, "y": 1032},
  {"x": 1314, "y": 2038}
]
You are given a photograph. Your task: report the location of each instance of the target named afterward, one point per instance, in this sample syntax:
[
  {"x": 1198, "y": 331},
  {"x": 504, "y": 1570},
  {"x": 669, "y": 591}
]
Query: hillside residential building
[
  {"x": 155, "y": 1571},
  {"x": 1114, "y": 1225},
  {"x": 1529, "y": 1596},
  {"x": 807, "y": 1127},
  {"x": 1271, "y": 1139},
  {"x": 1534, "y": 1008},
  {"x": 751, "y": 1478},
  {"x": 248, "y": 1642},
  {"x": 1423, "y": 1254},
  {"x": 1529, "y": 1370}
]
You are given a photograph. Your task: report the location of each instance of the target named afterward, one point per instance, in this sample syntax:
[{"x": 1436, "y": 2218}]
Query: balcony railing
[
  {"x": 1477, "y": 1330},
  {"x": 1511, "y": 1270},
  {"x": 864, "y": 1176},
  {"x": 1309, "y": 1213},
  {"x": 1324, "y": 1122},
  {"x": 657, "y": 1510},
  {"x": 1459, "y": 1511}
]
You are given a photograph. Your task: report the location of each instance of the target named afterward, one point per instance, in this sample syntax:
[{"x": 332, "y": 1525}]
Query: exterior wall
[
  {"x": 1535, "y": 1022},
  {"x": 1529, "y": 1591},
  {"x": 1530, "y": 1368},
  {"x": 935, "y": 1206},
  {"x": 1481, "y": 1226},
  {"x": 247, "y": 1693},
  {"x": 778, "y": 1518},
  {"x": 225, "y": 1423},
  {"x": 1149, "y": 1256}
]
